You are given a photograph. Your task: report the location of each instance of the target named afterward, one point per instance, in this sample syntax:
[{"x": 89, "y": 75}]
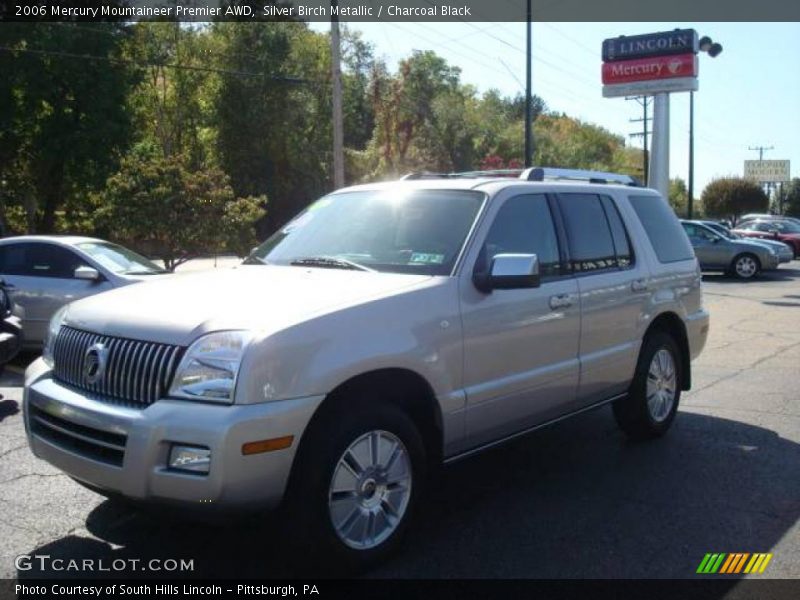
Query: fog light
[{"x": 190, "y": 458}]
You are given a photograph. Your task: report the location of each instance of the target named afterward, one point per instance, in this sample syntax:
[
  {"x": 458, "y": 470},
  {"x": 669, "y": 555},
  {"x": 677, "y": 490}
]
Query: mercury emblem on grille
[{"x": 94, "y": 363}]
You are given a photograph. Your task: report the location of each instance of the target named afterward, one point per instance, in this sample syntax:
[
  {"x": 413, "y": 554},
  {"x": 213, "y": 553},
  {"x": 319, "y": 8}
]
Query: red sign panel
[{"x": 655, "y": 67}]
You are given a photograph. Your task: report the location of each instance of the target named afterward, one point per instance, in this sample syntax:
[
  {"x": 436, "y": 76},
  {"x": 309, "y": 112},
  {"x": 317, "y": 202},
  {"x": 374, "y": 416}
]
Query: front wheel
[
  {"x": 745, "y": 266},
  {"x": 652, "y": 401},
  {"x": 358, "y": 478}
]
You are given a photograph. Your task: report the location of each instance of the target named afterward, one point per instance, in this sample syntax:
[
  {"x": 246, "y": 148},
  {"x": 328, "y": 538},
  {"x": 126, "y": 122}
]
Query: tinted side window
[
  {"x": 39, "y": 260},
  {"x": 591, "y": 245},
  {"x": 524, "y": 225},
  {"x": 622, "y": 244},
  {"x": 663, "y": 228}
]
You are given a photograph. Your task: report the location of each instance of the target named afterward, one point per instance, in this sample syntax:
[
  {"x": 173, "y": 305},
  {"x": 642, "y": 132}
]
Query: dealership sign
[
  {"x": 767, "y": 171},
  {"x": 678, "y": 41},
  {"x": 655, "y": 67},
  {"x": 649, "y": 64}
]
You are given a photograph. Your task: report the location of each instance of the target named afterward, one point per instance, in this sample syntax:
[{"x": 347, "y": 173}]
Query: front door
[{"x": 520, "y": 345}]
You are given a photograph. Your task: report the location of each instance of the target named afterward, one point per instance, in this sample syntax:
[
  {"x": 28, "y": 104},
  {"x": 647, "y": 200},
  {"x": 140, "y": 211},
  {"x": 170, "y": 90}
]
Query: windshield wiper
[
  {"x": 149, "y": 272},
  {"x": 329, "y": 262}
]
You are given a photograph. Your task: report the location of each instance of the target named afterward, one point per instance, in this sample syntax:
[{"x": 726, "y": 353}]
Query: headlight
[
  {"x": 56, "y": 322},
  {"x": 209, "y": 368}
]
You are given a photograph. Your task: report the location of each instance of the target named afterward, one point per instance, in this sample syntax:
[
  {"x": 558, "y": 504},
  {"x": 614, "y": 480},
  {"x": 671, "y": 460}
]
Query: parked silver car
[
  {"x": 740, "y": 258},
  {"x": 387, "y": 328},
  {"x": 785, "y": 253},
  {"x": 43, "y": 273}
]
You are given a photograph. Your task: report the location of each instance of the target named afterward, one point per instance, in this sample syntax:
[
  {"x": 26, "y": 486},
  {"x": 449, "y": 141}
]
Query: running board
[{"x": 518, "y": 434}]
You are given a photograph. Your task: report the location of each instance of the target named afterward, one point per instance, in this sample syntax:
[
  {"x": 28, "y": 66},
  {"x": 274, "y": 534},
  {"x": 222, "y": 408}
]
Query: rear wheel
[
  {"x": 745, "y": 266},
  {"x": 652, "y": 401},
  {"x": 355, "y": 485}
]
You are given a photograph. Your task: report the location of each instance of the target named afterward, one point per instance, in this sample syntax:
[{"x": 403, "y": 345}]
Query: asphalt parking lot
[{"x": 573, "y": 501}]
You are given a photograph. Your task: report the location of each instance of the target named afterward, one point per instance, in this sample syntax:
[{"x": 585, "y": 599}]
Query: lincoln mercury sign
[
  {"x": 649, "y": 64},
  {"x": 767, "y": 171},
  {"x": 678, "y": 41}
]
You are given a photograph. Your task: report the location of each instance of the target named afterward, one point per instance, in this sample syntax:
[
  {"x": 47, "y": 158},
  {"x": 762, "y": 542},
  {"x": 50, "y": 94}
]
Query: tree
[
  {"x": 162, "y": 208},
  {"x": 791, "y": 201},
  {"x": 730, "y": 197},
  {"x": 678, "y": 195},
  {"x": 64, "y": 121}
]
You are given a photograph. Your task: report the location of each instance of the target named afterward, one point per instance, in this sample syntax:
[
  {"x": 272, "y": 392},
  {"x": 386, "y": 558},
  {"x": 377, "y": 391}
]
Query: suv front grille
[
  {"x": 135, "y": 373},
  {"x": 102, "y": 446}
]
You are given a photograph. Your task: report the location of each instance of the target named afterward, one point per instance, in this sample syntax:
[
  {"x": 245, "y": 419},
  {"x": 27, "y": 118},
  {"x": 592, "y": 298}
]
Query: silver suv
[{"x": 388, "y": 328}]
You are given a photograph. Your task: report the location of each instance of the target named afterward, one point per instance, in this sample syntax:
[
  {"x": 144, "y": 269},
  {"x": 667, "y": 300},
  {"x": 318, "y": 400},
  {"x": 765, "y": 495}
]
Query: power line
[{"x": 123, "y": 61}]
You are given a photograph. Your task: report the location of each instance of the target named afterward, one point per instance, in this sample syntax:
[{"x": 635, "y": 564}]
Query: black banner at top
[{"x": 398, "y": 10}]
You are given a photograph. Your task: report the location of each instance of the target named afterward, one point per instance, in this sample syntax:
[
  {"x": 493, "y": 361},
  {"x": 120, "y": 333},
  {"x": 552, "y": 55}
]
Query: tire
[
  {"x": 745, "y": 266},
  {"x": 338, "y": 490},
  {"x": 659, "y": 373}
]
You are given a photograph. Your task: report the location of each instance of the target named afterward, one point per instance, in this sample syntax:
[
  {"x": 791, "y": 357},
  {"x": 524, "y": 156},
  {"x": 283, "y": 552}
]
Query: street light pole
[{"x": 528, "y": 102}]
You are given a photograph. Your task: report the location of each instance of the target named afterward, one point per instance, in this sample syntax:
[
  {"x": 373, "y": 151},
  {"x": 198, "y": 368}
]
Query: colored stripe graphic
[{"x": 733, "y": 563}]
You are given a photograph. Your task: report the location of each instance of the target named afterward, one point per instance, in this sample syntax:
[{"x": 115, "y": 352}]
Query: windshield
[
  {"x": 786, "y": 227},
  {"x": 389, "y": 231},
  {"x": 118, "y": 259}
]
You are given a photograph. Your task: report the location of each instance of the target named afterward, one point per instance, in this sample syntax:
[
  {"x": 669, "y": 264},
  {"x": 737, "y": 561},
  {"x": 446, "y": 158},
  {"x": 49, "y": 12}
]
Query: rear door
[
  {"x": 520, "y": 345},
  {"x": 613, "y": 287}
]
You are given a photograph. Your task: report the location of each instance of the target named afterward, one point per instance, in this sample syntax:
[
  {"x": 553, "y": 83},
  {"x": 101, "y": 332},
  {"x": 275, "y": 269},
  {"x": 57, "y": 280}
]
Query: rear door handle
[
  {"x": 639, "y": 285},
  {"x": 560, "y": 301}
]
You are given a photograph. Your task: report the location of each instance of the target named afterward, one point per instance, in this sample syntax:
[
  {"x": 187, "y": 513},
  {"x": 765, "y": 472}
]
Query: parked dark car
[
  {"x": 786, "y": 231},
  {"x": 10, "y": 327}
]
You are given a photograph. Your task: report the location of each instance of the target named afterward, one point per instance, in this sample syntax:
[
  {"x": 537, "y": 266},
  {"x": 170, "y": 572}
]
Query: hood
[{"x": 263, "y": 298}]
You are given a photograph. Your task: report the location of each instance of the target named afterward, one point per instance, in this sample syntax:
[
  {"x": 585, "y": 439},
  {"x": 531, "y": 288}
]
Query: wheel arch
[
  {"x": 402, "y": 387},
  {"x": 671, "y": 324}
]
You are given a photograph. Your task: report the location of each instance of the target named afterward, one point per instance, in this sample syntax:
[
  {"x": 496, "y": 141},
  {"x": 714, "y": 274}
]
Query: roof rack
[
  {"x": 533, "y": 174},
  {"x": 542, "y": 173}
]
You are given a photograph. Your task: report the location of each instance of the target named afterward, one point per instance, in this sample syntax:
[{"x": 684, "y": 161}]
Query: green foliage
[
  {"x": 730, "y": 197},
  {"x": 63, "y": 119},
  {"x": 791, "y": 201},
  {"x": 213, "y": 118},
  {"x": 163, "y": 208},
  {"x": 678, "y": 196}
]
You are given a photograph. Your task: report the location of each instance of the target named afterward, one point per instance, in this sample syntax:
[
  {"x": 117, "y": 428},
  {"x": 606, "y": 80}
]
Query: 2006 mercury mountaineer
[{"x": 387, "y": 328}]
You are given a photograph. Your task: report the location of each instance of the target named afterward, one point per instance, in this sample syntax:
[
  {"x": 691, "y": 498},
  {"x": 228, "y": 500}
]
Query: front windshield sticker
[
  {"x": 420, "y": 258},
  {"x": 321, "y": 203}
]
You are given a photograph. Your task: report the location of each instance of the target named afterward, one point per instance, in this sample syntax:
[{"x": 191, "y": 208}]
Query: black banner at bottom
[{"x": 387, "y": 589}]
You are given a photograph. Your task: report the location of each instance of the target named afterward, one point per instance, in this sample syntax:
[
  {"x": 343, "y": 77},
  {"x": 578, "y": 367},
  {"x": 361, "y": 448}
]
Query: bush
[{"x": 729, "y": 197}]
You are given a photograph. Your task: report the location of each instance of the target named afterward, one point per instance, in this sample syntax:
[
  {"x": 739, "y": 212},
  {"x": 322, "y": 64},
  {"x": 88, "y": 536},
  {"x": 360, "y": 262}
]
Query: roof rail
[
  {"x": 542, "y": 173},
  {"x": 533, "y": 174}
]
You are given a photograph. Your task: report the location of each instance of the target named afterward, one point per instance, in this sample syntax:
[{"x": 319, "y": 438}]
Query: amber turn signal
[{"x": 267, "y": 445}]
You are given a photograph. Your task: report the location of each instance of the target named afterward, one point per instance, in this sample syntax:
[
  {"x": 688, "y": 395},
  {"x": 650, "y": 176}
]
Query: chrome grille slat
[{"x": 137, "y": 373}]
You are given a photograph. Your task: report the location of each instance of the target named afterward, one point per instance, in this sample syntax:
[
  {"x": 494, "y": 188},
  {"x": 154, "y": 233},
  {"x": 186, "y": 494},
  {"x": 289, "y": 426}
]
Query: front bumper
[{"x": 125, "y": 450}]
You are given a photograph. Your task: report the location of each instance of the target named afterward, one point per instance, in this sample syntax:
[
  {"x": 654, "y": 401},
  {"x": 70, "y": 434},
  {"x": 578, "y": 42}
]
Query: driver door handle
[
  {"x": 560, "y": 301},
  {"x": 639, "y": 285}
]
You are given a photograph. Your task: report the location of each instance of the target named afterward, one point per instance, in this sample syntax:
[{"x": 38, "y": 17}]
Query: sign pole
[
  {"x": 659, "y": 157},
  {"x": 690, "y": 194}
]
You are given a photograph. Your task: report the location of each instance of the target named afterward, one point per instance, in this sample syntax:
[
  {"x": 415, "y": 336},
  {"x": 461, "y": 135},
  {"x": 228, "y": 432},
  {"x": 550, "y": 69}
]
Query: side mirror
[
  {"x": 87, "y": 273},
  {"x": 253, "y": 249},
  {"x": 509, "y": 271}
]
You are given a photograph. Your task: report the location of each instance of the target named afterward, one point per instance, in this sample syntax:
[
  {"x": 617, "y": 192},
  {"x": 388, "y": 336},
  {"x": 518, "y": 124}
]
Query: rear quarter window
[{"x": 666, "y": 234}]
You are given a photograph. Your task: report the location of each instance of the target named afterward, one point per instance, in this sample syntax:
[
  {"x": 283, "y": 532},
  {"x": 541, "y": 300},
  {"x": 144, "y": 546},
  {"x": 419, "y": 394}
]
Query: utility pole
[
  {"x": 336, "y": 78},
  {"x": 690, "y": 183},
  {"x": 760, "y": 150},
  {"x": 644, "y": 101},
  {"x": 528, "y": 100}
]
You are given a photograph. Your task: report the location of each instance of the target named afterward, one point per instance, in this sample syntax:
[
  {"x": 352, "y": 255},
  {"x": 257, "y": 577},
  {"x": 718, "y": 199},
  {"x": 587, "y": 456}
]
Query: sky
[{"x": 749, "y": 95}]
